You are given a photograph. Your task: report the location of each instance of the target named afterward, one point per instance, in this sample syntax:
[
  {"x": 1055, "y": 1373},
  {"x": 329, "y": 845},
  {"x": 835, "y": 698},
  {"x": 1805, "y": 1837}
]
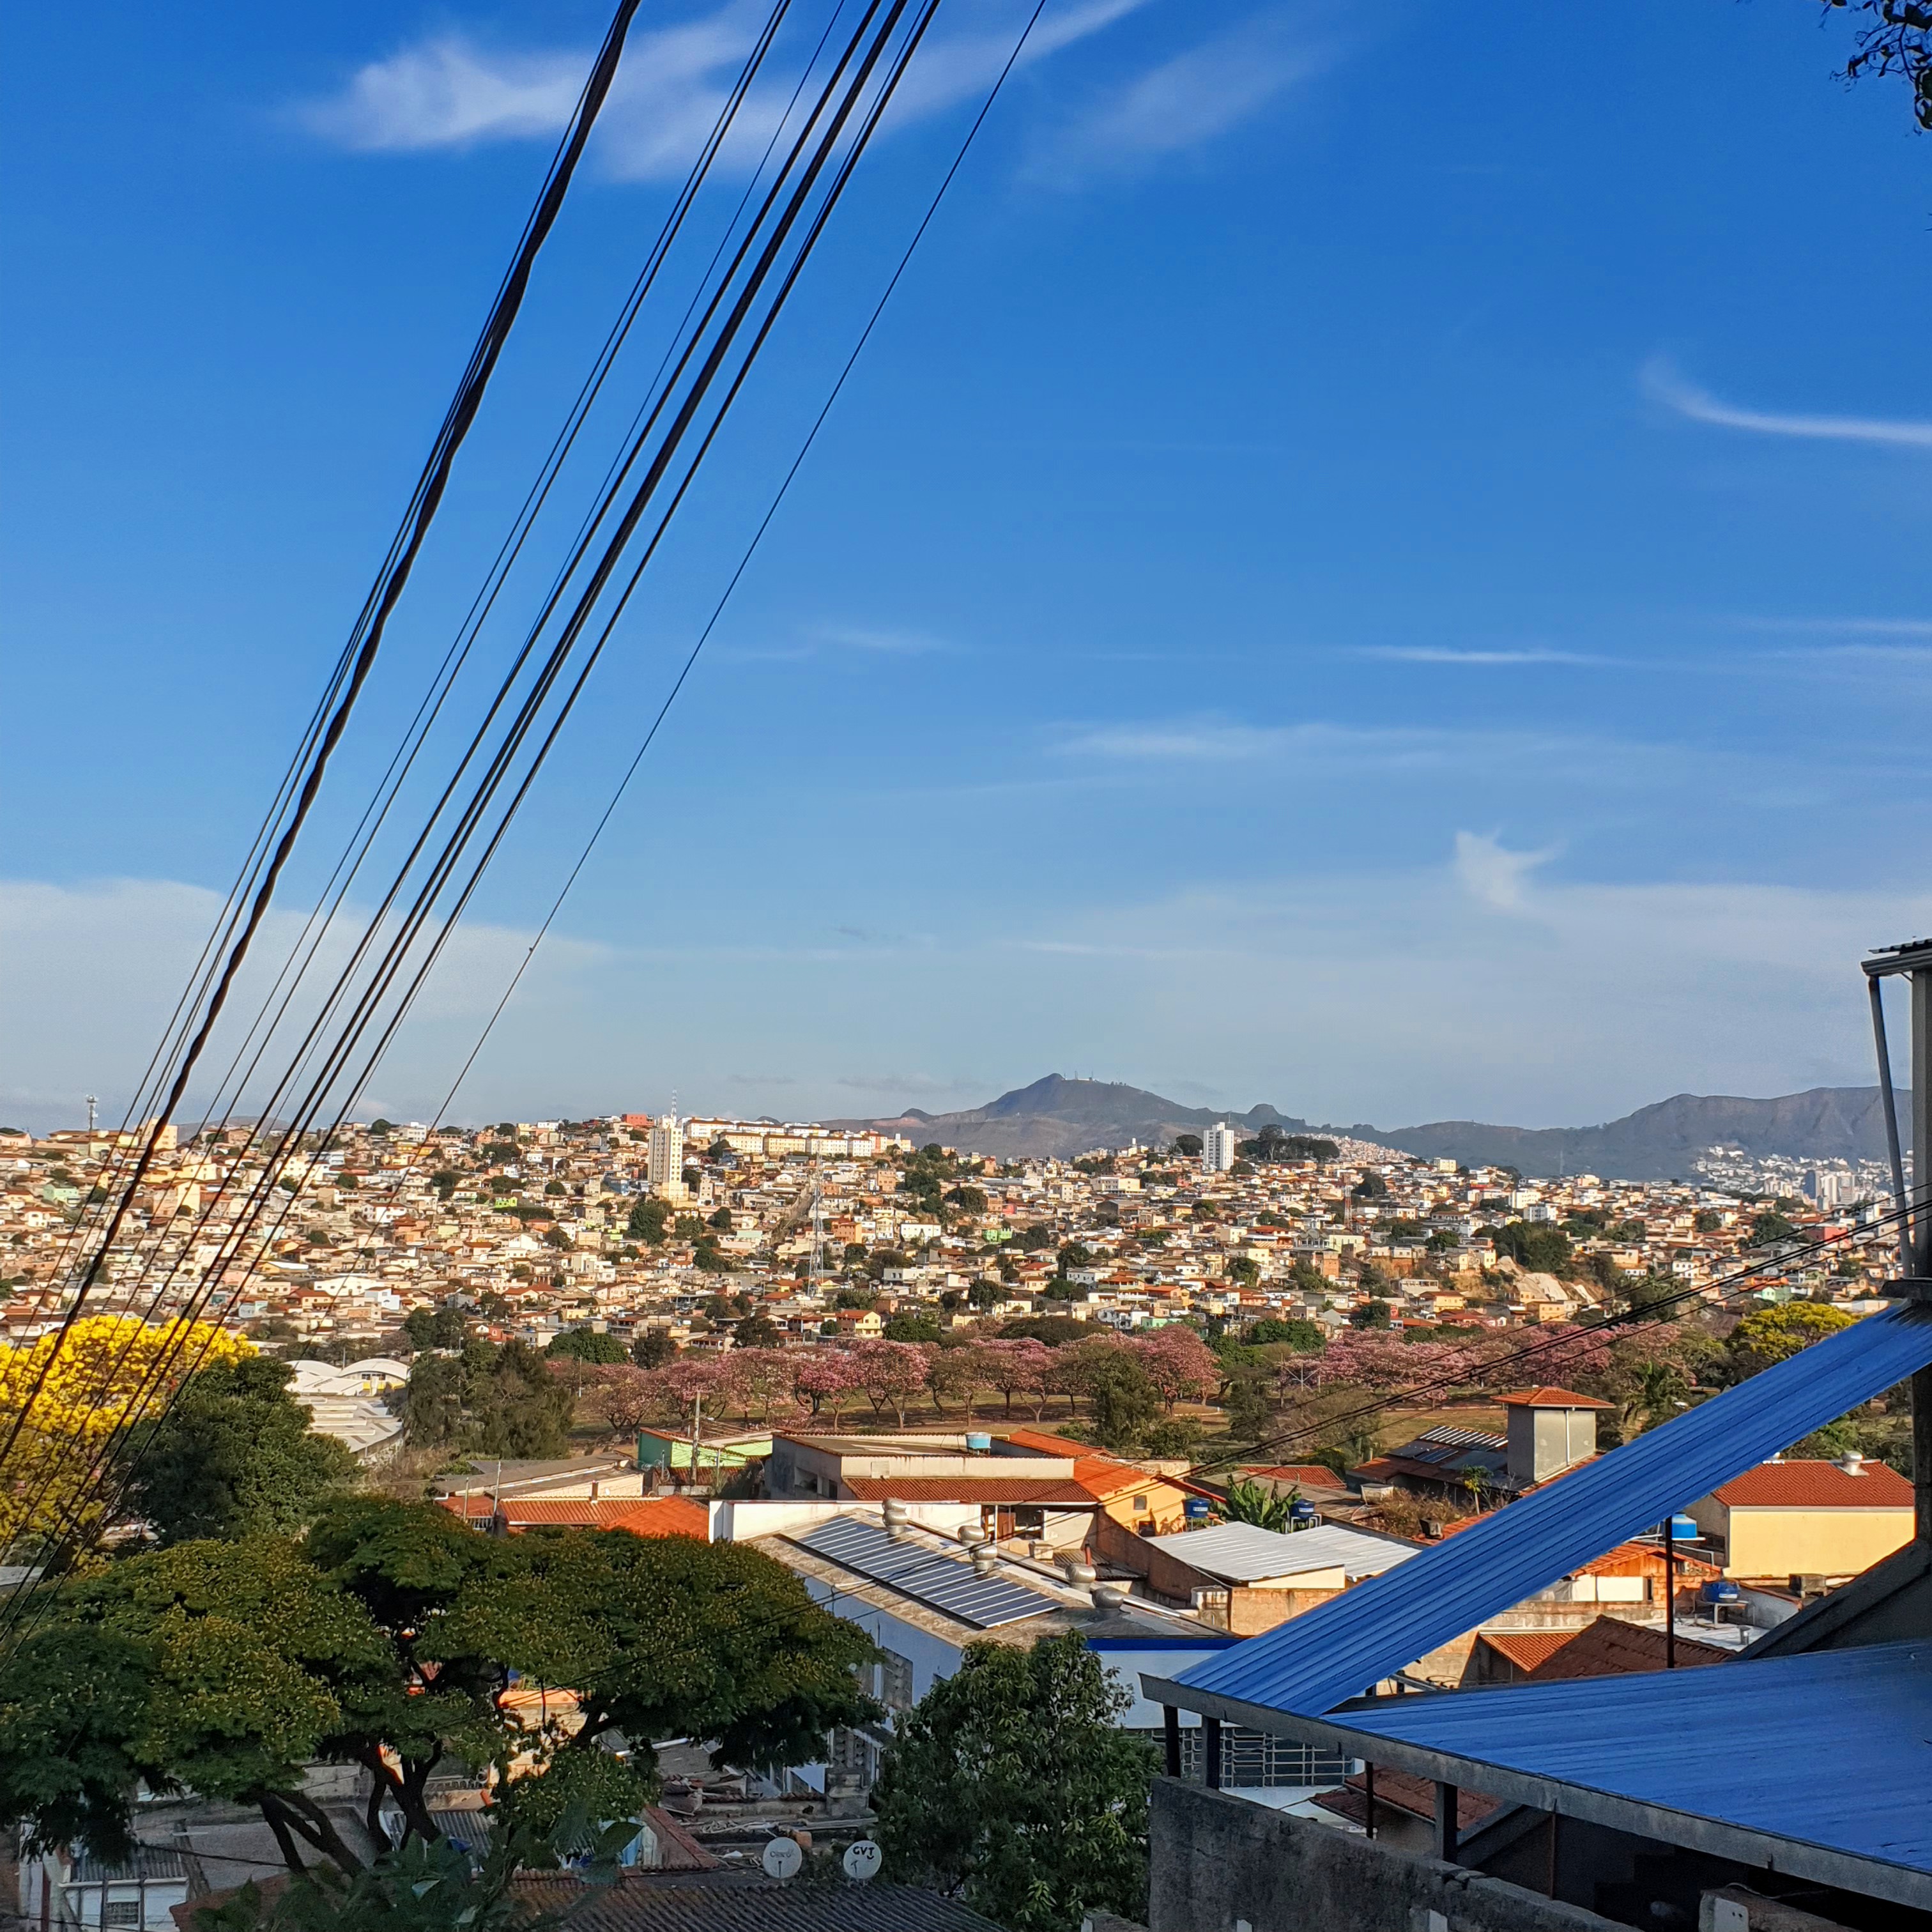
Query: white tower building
[
  {"x": 1217, "y": 1148},
  {"x": 666, "y": 1170}
]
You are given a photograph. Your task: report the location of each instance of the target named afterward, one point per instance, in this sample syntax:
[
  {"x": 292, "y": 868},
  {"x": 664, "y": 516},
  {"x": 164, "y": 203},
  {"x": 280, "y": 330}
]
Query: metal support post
[
  {"x": 1210, "y": 1750},
  {"x": 1669, "y": 1593},
  {"x": 1368, "y": 1798},
  {"x": 1170, "y": 1726},
  {"x": 1445, "y": 1823}
]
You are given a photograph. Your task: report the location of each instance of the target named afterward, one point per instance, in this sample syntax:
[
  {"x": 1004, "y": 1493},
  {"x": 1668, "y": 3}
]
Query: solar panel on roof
[{"x": 945, "y": 1582}]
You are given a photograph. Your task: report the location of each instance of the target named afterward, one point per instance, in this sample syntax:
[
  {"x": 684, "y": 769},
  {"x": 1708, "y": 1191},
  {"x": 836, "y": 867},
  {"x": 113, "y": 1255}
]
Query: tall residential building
[
  {"x": 666, "y": 1170},
  {"x": 1217, "y": 1148}
]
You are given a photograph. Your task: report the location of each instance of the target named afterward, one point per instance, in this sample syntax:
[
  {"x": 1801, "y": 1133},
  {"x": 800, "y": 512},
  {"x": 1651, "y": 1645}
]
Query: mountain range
[{"x": 1059, "y": 1117}]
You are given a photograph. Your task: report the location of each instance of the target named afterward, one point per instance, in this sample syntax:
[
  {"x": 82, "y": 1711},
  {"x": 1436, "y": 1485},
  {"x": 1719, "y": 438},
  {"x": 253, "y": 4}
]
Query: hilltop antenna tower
[{"x": 90, "y": 1113}]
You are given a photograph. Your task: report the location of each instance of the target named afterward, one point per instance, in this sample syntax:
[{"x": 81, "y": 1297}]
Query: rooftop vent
[{"x": 1852, "y": 1462}]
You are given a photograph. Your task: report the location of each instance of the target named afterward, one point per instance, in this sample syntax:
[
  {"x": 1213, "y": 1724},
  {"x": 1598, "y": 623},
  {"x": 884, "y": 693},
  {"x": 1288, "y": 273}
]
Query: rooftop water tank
[
  {"x": 1303, "y": 1515},
  {"x": 1721, "y": 1590},
  {"x": 1197, "y": 1509},
  {"x": 979, "y": 1442}
]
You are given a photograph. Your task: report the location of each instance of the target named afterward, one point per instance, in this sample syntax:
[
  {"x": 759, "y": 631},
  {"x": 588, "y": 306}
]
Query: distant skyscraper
[
  {"x": 1217, "y": 1148},
  {"x": 667, "y": 1158}
]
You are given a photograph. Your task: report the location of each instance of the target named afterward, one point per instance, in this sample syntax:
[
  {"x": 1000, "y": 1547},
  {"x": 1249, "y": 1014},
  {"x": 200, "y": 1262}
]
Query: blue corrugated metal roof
[
  {"x": 1314, "y": 1662},
  {"x": 1830, "y": 1748}
]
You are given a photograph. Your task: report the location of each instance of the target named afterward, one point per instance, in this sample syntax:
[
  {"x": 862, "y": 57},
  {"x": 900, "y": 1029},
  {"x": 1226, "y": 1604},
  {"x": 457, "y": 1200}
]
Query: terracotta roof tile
[
  {"x": 1528, "y": 1650},
  {"x": 1611, "y": 1648},
  {"x": 1550, "y": 1398},
  {"x": 1816, "y": 1486}
]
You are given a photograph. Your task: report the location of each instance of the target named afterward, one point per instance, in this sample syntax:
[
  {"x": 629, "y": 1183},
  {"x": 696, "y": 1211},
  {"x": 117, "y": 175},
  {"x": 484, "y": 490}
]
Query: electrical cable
[
  {"x": 687, "y": 414},
  {"x": 383, "y": 599}
]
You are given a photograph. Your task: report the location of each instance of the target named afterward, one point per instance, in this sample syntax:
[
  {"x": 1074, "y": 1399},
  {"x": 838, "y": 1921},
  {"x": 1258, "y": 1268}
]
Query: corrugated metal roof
[
  {"x": 1243, "y": 1553},
  {"x": 1314, "y": 1662},
  {"x": 1829, "y": 1747},
  {"x": 733, "y": 1902}
]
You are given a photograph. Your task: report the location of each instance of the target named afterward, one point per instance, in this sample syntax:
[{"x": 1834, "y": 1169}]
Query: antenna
[{"x": 90, "y": 1113}]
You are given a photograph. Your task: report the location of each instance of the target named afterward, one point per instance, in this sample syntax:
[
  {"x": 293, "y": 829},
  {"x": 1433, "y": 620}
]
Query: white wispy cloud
[
  {"x": 1187, "y": 100},
  {"x": 1662, "y": 381},
  {"x": 1857, "y": 627},
  {"x": 1219, "y": 741},
  {"x": 887, "y": 642},
  {"x": 1493, "y": 874},
  {"x": 452, "y": 91},
  {"x": 1445, "y": 654}
]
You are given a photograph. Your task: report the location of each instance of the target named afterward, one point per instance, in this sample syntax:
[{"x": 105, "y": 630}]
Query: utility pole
[{"x": 1912, "y": 961}]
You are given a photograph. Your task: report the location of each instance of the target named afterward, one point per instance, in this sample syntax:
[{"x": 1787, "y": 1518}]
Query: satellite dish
[
  {"x": 863, "y": 1859},
  {"x": 782, "y": 1858}
]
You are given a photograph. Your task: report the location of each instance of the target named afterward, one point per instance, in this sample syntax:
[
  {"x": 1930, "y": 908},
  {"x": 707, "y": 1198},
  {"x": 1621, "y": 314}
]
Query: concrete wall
[
  {"x": 1217, "y": 1858},
  {"x": 1823, "y": 1543}
]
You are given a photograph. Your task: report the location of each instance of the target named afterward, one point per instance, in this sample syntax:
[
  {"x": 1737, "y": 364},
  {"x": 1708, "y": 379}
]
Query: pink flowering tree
[
  {"x": 827, "y": 1378},
  {"x": 892, "y": 1374},
  {"x": 764, "y": 1382},
  {"x": 1019, "y": 1368},
  {"x": 1181, "y": 1366}
]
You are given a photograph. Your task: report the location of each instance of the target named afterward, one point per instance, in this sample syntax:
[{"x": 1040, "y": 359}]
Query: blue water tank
[
  {"x": 1303, "y": 1515},
  {"x": 1683, "y": 1529},
  {"x": 1721, "y": 1590},
  {"x": 1197, "y": 1509},
  {"x": 978, "y": 1441}
]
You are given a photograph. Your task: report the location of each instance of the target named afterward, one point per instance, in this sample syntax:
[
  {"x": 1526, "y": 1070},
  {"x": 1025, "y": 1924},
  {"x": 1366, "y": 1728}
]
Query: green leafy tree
[
  {"x": 757, "y": 1331},
  {"x": 233, "y": 1456},
  {"x": 912, "y": 1328},
  {"x": 1540, "y": 1246},
  {"x": 1303, "y": 1336},
  {"x": 586, "y": 1344},
  {"x": 1771, "y": 1226},
  {"x": 385, "y": 1638},
  {"x": 1245, "y": 1403},
  {"x": 444, "y": 1327},
  {"x": 1008, "y": 1785},
  {"x": 653, "y": 1348},
  {"x": 1121, "y": 1398},
  {"x": 492, "y": 1399},
  {"x": 650, "y": 1219},
  {"x": 1373, "y": 1313}
]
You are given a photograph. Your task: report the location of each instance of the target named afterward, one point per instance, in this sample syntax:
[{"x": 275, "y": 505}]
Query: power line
[{"x": 363, "y": 1015}]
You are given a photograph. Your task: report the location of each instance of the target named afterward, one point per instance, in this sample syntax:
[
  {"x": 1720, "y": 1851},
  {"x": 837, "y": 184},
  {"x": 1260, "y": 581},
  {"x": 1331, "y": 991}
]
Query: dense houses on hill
[{"x": 634, "y": 1226}]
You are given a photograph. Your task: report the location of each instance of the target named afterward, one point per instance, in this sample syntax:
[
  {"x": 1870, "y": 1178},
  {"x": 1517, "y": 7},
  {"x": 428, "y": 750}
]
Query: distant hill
[{"x": 1063, "y": 1117}]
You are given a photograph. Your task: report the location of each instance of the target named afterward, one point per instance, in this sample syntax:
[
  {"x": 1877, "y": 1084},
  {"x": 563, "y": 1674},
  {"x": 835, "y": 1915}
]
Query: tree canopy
[
  {"x": 1008, "y": 1785},
  {"x": 493, "y": 1399},
  {"x": 233, "y": 1456},
  {"x": 385, "y": 1637}
]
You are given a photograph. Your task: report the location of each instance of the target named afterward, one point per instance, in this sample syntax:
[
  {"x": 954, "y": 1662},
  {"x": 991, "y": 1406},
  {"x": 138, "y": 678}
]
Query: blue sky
[{"x": 1375, "y": 562}]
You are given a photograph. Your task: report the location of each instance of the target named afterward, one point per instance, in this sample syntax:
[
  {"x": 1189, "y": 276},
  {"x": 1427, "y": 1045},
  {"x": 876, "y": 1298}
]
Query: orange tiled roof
[
  {"x": 1526, "y": 1649},
  {"x": 1816, "y": 1486},
  {"x": 1307, "y": 1475},
  {"x": 1611, "y": 1648},
  {"x": 1550, "y": 1398},
  {"x": 642, "y": 1516}
]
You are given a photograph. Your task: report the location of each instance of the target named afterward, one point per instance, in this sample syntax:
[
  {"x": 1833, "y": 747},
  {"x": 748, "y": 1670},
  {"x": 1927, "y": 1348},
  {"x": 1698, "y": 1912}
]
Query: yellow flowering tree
[{"x": 79, "y": 1392}]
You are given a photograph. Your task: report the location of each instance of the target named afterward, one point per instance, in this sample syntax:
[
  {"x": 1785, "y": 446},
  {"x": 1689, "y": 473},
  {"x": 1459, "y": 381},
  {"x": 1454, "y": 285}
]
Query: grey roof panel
[
  {"x": 1337, "y": 1651},
  {"x": 947, "y": 1583},
  {"x": 1243, "y": 1552},
  {"x": 1830, "y": 1748},
  {"x": 732, "y": 1902}
]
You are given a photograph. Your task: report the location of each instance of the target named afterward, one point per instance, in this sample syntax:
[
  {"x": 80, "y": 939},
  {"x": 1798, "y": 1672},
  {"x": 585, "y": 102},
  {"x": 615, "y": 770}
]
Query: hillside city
[{"x": 545, "y": 1226}]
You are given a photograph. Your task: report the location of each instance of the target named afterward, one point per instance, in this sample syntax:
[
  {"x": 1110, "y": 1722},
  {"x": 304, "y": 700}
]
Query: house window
[
  {"x": 895, "y": 1690},
  {"x": 121, "y": 1912},
  {"x": 1030, "y": 1522},
  {"x": 1140, "y": 1503}
]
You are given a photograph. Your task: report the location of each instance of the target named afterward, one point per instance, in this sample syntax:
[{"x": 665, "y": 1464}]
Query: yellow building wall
[{"x": 1823, "y": 1543}]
